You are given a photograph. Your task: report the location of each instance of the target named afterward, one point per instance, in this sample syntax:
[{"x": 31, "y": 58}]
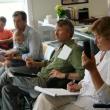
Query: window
[{"x": 8, "y": 7}]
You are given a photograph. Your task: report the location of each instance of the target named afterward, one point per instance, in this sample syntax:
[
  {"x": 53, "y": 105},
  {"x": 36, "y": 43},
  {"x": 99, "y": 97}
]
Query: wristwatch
[{"x": 66, "y": 75}]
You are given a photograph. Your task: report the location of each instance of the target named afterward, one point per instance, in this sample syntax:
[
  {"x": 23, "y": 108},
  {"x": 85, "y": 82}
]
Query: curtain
[
  {"x": 109, "y": 7},
  {"x": 29, "y": 9}
]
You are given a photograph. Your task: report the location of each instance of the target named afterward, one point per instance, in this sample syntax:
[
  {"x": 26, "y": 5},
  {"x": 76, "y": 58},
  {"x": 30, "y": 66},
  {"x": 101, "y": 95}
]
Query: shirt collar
[
  {"x": 71, "y": 41},
  {"x": 26, "y": 30}
]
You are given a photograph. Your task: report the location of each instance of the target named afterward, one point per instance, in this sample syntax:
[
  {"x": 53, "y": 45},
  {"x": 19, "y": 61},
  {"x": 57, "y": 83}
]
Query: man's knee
[
  {"x": 42, "y": 102},
  {"x": 2, "y": 70},
  {"x": 46, "y": 99},
  {"x": 6, "y": 89},
  {"x": 41, "y": 98},
  {"x": 5, "y": 79}
]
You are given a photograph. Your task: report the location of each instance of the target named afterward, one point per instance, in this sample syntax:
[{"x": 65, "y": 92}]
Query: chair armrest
[
  {"x": 24, "y": 75},
  {"x": 98, "y": 105}
]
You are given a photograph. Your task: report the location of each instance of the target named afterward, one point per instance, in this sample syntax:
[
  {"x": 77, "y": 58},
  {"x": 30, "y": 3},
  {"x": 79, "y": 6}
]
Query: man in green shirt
[
  {"x": 65, "y": 64},
  {"x": 72, "y": 64}
]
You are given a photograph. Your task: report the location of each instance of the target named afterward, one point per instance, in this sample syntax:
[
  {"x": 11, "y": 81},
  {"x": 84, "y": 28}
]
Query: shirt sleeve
[
  {"x": 10, "y": 34},
  {"x": 35, "y": 46},
  {"x": 104, "y": 94},
  {"x": 76, "y": 61}
]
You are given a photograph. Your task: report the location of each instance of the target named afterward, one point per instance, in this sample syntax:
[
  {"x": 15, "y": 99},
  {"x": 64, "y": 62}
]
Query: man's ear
[{"x": 69, "y": 34}]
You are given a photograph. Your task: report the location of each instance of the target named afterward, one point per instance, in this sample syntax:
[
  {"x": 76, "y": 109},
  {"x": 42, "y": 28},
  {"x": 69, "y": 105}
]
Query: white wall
[
  {"x": 98, "y": 8},
  {"x": 41, "y": 8}
]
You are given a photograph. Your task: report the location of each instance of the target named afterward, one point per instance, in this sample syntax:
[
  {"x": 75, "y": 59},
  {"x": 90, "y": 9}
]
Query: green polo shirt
[{"x": 71, "y": 64}]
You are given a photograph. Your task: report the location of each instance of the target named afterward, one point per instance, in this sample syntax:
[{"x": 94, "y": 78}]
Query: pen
[{"x": 72, "y": 82}]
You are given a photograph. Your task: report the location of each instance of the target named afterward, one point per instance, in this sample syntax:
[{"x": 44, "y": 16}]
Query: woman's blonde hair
[{"x": 102, "y": 27}]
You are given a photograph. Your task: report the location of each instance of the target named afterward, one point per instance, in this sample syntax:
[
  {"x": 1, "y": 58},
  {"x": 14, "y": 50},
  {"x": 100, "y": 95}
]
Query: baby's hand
[{"x": 7, "y": 63}]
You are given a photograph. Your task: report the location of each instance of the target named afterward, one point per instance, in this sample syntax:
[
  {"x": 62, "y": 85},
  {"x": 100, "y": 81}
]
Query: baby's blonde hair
[{"x": 18, "y": 35}]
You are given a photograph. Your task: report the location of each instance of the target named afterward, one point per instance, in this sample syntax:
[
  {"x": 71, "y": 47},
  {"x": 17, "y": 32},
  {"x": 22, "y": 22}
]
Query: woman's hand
[
  {"x": 73, "y": 87},
  {"x": 88, "y": 63},
  {"x": 57, "y": 74}
]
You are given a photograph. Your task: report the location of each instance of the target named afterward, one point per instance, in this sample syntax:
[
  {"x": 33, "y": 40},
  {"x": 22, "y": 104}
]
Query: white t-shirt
[{"x": 103, "y": 67}]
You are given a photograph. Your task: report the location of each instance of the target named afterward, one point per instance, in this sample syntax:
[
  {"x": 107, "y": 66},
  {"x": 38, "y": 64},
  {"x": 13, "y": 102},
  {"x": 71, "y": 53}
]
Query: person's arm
[
  {"x": 10, "y": 53},
  {"x": 90, "y": 65},
  {"x": 35, "y": 64},
  {"x": 102, "y": 89},
  {"x": 35, "y": 47},
  {"x": 104, "y": 93},
  {"x": 58, "y": 74},
  {"x": 96, "y": 78},
  {"x": 6, "y": 41},
  {"x": 74, "y": 76},
  {"x": 9, "y": 37},
  {"x": 76, "y": 62}
]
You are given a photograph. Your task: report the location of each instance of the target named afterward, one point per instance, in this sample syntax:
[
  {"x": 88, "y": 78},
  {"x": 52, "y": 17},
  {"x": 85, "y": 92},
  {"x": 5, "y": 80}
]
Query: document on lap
[{"x": 56, "y": 91}]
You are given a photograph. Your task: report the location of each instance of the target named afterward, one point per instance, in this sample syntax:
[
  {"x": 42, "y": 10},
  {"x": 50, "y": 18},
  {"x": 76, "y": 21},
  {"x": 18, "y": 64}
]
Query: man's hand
[
  {"x": 57, "y": 74},
  {"x": 30, "y": 63},
  {"x": 73, "y": 87}
]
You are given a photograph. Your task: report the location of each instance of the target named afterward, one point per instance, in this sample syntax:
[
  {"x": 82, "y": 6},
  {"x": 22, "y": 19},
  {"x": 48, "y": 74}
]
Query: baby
[
  {"x": 14, "y": 56},
  {"x": 18, "y": 37},
  {"x": 19, "y": 44}
]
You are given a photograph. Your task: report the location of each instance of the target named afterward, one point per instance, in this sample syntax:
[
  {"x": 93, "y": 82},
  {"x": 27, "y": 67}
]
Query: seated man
[
  {"x": 32, "y": 43},
  {"x": 95, "y": 87},
  {"x": 5, "y": 35},
  {"x": 65, "y": 63}
]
